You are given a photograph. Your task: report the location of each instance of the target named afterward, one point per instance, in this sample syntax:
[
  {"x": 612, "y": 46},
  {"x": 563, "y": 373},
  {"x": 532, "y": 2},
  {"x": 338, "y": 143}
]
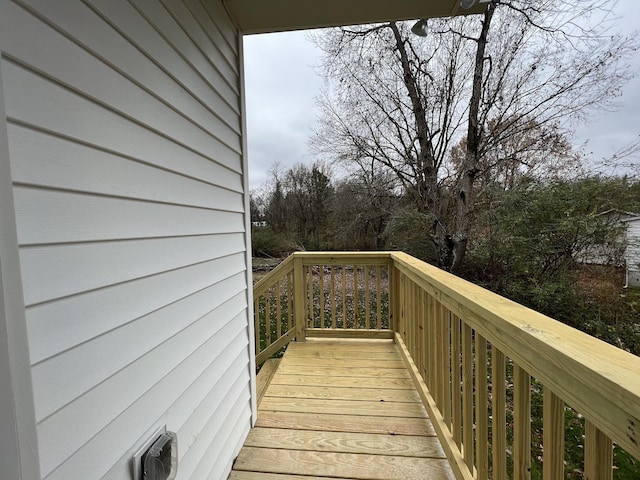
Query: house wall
[
  {"x": 633, "y": 252},
  {"x": 124, "y": 132}
]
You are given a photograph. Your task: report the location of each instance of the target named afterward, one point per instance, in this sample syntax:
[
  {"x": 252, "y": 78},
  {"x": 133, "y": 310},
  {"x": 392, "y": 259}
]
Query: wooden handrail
[{"x": 598, "y": 380}]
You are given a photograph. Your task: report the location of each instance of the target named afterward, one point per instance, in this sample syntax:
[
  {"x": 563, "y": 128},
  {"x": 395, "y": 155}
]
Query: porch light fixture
[
  {"x": 467, "y": 4},
  {"x": 420, "y": 28}
]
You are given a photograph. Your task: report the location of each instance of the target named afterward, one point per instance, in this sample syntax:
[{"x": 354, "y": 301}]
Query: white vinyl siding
[
  {"x": 125, "y": 143},
  {"x": 632, "y": 256}
]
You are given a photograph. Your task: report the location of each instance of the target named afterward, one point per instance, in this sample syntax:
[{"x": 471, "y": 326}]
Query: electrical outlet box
[{"x": 158, "y": 457}]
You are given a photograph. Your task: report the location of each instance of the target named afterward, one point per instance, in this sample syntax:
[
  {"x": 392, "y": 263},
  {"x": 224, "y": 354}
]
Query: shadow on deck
[{"x": 342, "y": 409}]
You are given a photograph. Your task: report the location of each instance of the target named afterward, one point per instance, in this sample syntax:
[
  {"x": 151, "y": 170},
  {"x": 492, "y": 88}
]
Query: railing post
[{"x": 299, "y": 299}]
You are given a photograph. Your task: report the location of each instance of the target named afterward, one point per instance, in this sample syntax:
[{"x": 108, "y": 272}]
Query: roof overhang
[{"x": 264, "y": 16}]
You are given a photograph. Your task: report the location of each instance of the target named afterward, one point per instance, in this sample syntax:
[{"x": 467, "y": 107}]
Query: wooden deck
[{"x": 342, "y": 409}]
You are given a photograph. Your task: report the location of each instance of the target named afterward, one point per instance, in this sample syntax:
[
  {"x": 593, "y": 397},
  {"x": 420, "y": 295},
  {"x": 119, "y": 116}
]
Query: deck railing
[{"x": 476, "y": 357}]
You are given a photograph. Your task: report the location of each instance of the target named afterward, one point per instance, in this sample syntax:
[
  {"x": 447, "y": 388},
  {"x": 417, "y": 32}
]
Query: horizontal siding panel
[
  {"x": 223, "y": 443},
  {"x": 59, "y": 380},
  {"x": 62, "y": 270},
  {"x": 212, "y": 27},
  {"x": 227, "y": 28},
  {"x": 98, "y": 455},
  {"x": 57, "y": 326},
  {"x": 67, "y": 114},
  {"x": 238, "y": 435},
  {"x": 108, "y": 88},
  {"x": 146, "y": 67},
  {"x": 47, "y": 161},
  {"x": 177, "y": 26},
  {"x": 155, "y": 32},
  {"x": 205, "y": 395},
  {"x": 213, "y": 53},
  {"x": 48, "y": 217},
  {"x": 153, "y": 382}
]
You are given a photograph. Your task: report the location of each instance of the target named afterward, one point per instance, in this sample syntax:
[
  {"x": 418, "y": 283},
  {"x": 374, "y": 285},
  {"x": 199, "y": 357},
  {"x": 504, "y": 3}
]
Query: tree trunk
[
  {"x": 465, "y": 193},
  {"x": 427, "y": 174}
]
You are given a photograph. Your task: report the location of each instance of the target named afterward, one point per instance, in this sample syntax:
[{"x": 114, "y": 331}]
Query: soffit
[{"x": 263, "y": 16}]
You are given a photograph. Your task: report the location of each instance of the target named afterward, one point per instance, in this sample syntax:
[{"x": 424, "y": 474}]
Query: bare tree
[{"x": 404, "y": 101}]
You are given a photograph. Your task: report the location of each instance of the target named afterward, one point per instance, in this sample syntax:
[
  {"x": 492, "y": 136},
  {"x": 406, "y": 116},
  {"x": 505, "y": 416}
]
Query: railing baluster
[
  {"x": 268, "y": 317},
  {"x": 344, "y": 296},
  {"x": 291, "y": 319},
  {"x": 299, "y": 303},
  {"x": 333, "y": 298},
  {"x": 439, "y": 357},
  {"x": 553, "y": 436},
  {"x": 598, "y": 454},
  {"x": 356, "y": 316},
  {"x": 379, "y": 297},
  {"x": 366, "y": 296},
  {"x": 447, "y": 367},
  {"x": 521, "y": 424},
  {"x": 309, "y": 296},
  {"x": 498, "y": 414},
  {"x": 422, "y": 346},
  {"x": 321, "y": 294},
  {"x": 278, "y": 311},
  {"x": 467, "y": 395},
  {"x": 256, "y": 323},
  {"x": 482, "y": 417},
  {"x": 456, "y": 379}
]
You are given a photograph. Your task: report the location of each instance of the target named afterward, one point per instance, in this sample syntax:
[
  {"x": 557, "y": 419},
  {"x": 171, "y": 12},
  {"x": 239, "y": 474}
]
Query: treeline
[{"x": 534, "y": 239}]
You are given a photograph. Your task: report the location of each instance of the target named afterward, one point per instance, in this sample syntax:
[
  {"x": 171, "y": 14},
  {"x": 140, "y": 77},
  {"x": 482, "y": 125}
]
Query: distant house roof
[{"x": 263, "y": 16}]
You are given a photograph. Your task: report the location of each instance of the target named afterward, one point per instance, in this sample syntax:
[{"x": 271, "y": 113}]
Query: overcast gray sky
[{"x": 281, "y": 84}]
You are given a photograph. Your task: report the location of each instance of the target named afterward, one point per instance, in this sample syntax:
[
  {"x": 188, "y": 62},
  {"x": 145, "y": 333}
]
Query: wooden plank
[
  {"x": 344, "y": 258},
  {"x": 482, "y": 406},
  {"x": 265, "y": 283},
  {"x": 467, "y": 396},
  {"x": 275, "y": 346},
  {"x": 326, "y": 353},
  {"x": 598, "y": 454},
  {"x": 499, "y": 414},
  {"x": 344, "y": 393},
  {"x": 341, "y": 362},
  {"x": 521, "y": 424},
  {"x": 345, "y": 423},
  {"x": 299, "y": 299},
  {"x": 328, "y": 333},
  {"x": 356, "y": 382},
  {"x": 322, "y": 296},
  {"x": 378, "y": 298},
  {"x": 456, "y": 381},
  {"x": 448, "y": 382},
  {"x": 553, "y": 436},
  {"x": 333, "y": 298},
  {"x": 349, "y": 407},
  {"x": 356, "y": 466},
  {"x": 343, "y": 442},
  {"x": 238, "y": 475},
  {"x": 264, "y": 377},
  {"x": 343, "y": 371},
  {"x": 348, "y": 344}
]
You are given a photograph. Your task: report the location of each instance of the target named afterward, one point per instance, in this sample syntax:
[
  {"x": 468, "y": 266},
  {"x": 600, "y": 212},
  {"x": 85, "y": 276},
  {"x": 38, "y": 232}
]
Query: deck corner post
[{"x": 298, "y": 298}]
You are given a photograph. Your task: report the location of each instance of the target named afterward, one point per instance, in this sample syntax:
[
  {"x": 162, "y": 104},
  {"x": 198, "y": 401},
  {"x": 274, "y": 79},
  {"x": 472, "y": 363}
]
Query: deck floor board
[{"x": 341, "y": 409}]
